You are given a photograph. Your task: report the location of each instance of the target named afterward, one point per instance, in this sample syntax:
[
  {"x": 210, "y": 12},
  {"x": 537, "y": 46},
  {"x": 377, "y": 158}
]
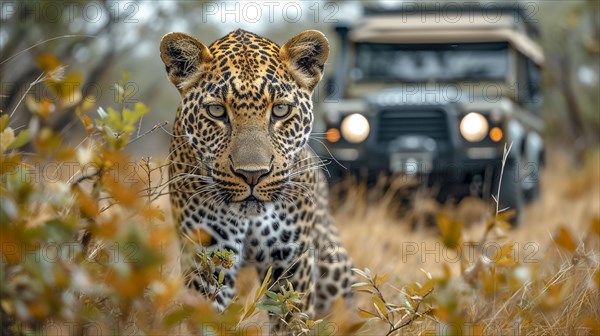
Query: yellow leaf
[
  {"x": 426, "y": 288},
  {"x": 4, "y": 120},
  {"x": 87, "y": 205},
  {"x": 451, "y": 231},
  {"x": 504, "y": 251},
  {"x": 364, "y": 291},
  {"x": 122, "y": 193},
  {"x": 447, "y": 271},
  {"x": 380, "y": 305},
  {"x": 10, "y": 162},
  {"x": 68, "y": 90},
  {"x": 489, "y": 281},
  {"x": 380, "y": 279},
  {"x": 504, "y": 256},
  {"x": 478, "y": 330},
  {"x": 440, "y": 313},
  {"x": 591, "y": 323},
  {"x": 506, "y": 261},
  {"x": 6, "y": 138},
  {"x": 159, "y": 236},
  {"x": 595, "y": 226},
  {"x": 107, "y": 228},
  {"x": 150, "y": 212},
  {"x": 564, "y": 239},
  {"x": 87, "y": 123},
  {"x": 202, "y": 237},
  {"x": 87, "y": 103},
  {"x": 366, "y": 314},
  {"x": 264, "y": 286},
  {"x": 12, "y": 250},
  {"x": 42, "y": 108},
  {"x": 39, "y": 309},
  {"x": 48, "y": 62},
  {"x": 166, "y": 291},
  {"x": 555, "y": 295},
  {"x": 506, "y": 216}
]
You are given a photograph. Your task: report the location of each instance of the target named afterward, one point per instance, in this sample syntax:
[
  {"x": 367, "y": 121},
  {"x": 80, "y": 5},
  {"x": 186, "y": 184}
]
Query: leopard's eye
[
  {"x": 281, "y": 110},
  {"x": 216, "y": 111}
]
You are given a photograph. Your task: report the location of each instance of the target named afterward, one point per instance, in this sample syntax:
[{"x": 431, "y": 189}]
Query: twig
[
  {"x": 32, "y": 84},
  {"x": 470, "y": 273},
  {"x": 154, "y": 128},
  {"x": 42, "y": 42},
  {"x": 412, "y": 317}
]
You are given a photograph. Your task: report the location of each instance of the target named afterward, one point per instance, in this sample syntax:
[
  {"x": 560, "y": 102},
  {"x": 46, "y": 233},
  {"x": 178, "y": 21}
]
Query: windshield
[{"x": 426, "y": 62}]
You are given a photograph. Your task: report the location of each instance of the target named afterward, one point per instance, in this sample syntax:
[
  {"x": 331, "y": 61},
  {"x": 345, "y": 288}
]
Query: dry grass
[{"x": 570, "y": 198}]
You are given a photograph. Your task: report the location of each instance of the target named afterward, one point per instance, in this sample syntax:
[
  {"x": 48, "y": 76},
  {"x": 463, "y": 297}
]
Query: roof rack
[{"x": 522, "y": 13}]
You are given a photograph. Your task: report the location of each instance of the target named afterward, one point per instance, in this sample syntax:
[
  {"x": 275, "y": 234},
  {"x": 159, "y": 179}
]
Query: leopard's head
[{"x": 246, "y": 109}]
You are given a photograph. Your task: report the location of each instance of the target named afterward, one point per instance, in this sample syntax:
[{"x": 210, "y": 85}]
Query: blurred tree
[
  {"x": 571, "y": 41},
  {"x": 33, "y": 27}
]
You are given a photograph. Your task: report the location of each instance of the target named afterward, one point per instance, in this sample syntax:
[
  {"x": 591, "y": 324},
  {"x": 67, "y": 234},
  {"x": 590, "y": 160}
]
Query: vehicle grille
[{"x": 395, "y": 123}]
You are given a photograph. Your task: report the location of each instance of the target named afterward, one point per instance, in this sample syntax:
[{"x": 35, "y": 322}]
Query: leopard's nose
[{"x": 252, "y": 175}]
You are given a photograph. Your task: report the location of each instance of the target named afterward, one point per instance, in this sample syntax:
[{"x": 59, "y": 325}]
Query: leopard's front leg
[
  {"x": 284, "y": 246},
  {"x": 212, "y": 243},
  {"x": 196, "y": 270},
  {"x": 297, "y": 272}
]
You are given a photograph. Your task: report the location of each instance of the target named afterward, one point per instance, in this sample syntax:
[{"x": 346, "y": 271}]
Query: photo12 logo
[
  {"x": 437, "y": 252},
  {"x": 71, "y": 11},
  {"x": 469, "y": 11},
  {"x": 269, "y": 11},
  {"x": 53, "y": 252}
]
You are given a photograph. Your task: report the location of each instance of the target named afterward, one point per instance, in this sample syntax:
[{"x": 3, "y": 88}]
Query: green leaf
[
  {"x": 275, "y": 309},
  {"x": 20, "y": 140},
  {"x": 58, "y": 230},
  {"x": 4, "y": 122},
  {"x": 221, "y": 277},
  {"x": 272, "y": 295}
]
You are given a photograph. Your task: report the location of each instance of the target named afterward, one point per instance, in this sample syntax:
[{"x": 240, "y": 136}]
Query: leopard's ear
[
  {"x": 305, "y": 55},
  {"x": 183, "y": 56}
]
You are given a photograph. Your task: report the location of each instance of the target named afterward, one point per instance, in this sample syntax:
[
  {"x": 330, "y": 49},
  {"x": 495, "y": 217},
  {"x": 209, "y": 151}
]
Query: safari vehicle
[{"x": 437, "y": 92}]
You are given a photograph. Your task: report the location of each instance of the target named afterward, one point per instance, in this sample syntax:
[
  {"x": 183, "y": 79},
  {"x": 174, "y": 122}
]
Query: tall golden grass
[{"x": 555, "y": 290}]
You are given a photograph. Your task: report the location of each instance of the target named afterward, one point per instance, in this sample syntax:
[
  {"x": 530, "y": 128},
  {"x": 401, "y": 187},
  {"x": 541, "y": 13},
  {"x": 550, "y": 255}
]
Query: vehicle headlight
[
  {"x": 355, "y": 128},
  {"x": 474, "y": 127}
]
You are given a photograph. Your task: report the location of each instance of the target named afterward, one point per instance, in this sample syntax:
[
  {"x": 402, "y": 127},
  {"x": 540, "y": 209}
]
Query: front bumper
[{"x": 458, "y": 165}]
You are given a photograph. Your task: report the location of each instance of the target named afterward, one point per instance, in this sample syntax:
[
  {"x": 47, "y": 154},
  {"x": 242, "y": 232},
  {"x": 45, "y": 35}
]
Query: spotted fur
[{"x": 246, "y": 180}]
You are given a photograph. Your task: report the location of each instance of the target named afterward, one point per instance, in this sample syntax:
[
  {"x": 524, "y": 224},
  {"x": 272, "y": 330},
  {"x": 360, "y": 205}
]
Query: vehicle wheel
[
  {"x": 532, "y": 194},
  {"x": 511, "y": 193}
]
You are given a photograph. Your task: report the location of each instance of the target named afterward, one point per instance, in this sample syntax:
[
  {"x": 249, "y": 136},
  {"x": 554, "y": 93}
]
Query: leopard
[{"x": 242, "y": 174}]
